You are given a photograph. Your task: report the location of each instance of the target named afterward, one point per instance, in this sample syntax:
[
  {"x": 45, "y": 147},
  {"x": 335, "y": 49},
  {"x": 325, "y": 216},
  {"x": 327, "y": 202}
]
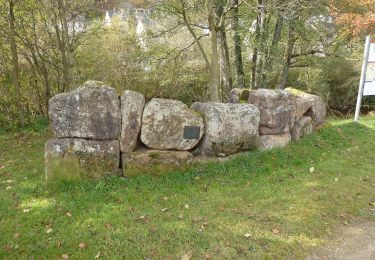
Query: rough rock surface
[
  {"x": 268, "y": 142},
  {"x": 144, "y": 161},
  {"x": 91, "y": 111},
  {"x": 277, "y": 110},
  {"x": 73, "y": 158},
  {"x": 239, "y": 95},
  {"x": 132, "y": 104},
  {"x": 165, "y": 124},
  {"x": 309, "y": 105},
  {"x": 229, "y": 127},
  {"x": 303, "y": 127}
]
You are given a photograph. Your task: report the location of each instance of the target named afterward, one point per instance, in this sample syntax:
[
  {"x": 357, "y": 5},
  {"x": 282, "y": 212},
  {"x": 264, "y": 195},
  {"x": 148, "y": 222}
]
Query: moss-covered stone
[{"x": 76, "y": 159}]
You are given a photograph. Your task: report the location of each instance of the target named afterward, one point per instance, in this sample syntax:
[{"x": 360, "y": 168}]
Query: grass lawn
[{"x": 256, "y": 205}]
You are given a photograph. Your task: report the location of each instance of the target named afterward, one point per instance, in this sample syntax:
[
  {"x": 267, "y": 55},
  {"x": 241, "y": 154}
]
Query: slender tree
[{"x": 15, "y": 64}]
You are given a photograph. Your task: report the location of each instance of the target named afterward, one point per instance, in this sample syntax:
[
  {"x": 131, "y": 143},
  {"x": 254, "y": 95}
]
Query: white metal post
[{"x": 363, "y": 78}]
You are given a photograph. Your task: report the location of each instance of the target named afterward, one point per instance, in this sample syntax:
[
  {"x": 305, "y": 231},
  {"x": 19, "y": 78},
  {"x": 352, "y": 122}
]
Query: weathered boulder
[
  {"x": 309, "y": 105},
  {"x": 154, "y": 162},
  {"x": 132, "y": 104},
  {"x": 91, "y": 111},
  {"x": 239, "y": 95},
  {"x": 303, "y": 127},
  {"x": 170, "y": 125},
  {"x": 277, "y": 110},
  {"x": 229, "y": 127},
  {"x": 268, "y": 142},
  {"x": 73, "y": 158}
]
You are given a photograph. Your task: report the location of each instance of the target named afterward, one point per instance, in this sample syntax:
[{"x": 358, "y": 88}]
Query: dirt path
[{"x": 356, "y": 242}]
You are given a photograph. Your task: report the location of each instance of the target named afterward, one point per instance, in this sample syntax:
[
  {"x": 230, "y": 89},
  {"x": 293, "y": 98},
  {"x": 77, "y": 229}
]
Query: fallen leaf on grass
[
  {"x": 65, "y": 256},
  {"x": 164, "y": 209},
  {"x": 186, "y": 206},
  {"x": 275, "y": 231},
  {"x": 196, "y": 219},
  {"x": 109, "y": 225},
  {"x": 187, "y": 256},
  {"x": 50, "y": 230},
  {"x": 247, "y": 235},
  {"x": 82, "y": 245},
  {"x": 68, "y": 214},
  {"x": 154, "y": 229},
  {"x": 97, "y": 255},
  {"x": 7, "y": 247},
  {"x": 140, "y": 218},
  {"x": 312, "y": 169}
]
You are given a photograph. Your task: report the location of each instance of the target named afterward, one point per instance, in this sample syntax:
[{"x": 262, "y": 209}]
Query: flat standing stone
[
  {"x": 74, "y": 159},
  {"x": 154, "y": 162},
  {"x": 229, "y": 127},
  {"x": 303, "y": 127},
  {"x": 309, "y": 105},
  {"x": 91, "y": 111},
  {"x": 166, "y": 124},
  {"x": 268, "y": 142},
  {"x": 132, "y": 104},
  {"x": 277, "y": 110}
]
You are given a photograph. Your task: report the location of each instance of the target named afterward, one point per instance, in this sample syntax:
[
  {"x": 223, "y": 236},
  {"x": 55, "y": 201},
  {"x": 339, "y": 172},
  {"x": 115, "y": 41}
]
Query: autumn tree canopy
[{"x": 356, "y": 17}]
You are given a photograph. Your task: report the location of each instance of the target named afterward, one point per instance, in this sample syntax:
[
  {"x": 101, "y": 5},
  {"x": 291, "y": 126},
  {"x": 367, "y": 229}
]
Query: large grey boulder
[
  {"x": 277, "y": 110},
  {"x": 132, "y": 104},
  {"x": 74, "y": 159},
  {"x": 309, "y": 105},
  {"x": 91, "y": 111},
  {"x": 303, "y": 127},
  {"x": 170, "y": 125},
  {"x": 229, "y": 127},
  {"x": 268, "y": 142}
]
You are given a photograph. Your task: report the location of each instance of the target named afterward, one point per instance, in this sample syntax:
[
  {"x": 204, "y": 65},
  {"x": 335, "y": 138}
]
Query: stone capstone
[
  {"x": 229, "y": 127},
  {"x": 303, "y": 127},
  {"x": 309, "y": 105},
  {"x": 91, "y": 111},
  {"x": 268, "y": 142},
  {"x": 277, "y": 110},
  {"x": 170, "y": 125},
  {"x": 144, "y": 161},
  {"x": 74, "y": 159},
  {"x": 132, "y": 104}
]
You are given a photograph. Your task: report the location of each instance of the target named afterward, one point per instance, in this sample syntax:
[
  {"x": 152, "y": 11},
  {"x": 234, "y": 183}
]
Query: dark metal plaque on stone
[{"x": 192, "y": 132}]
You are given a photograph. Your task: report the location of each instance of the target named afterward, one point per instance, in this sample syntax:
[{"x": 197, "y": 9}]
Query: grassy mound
[{"x": 274, "y": 204}]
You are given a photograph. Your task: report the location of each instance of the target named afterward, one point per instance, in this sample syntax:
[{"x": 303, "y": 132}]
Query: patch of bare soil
[{"x": 356, "y": 242}]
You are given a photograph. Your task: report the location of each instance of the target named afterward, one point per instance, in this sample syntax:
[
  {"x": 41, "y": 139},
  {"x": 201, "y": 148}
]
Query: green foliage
[{"x": 252, "y": 193}]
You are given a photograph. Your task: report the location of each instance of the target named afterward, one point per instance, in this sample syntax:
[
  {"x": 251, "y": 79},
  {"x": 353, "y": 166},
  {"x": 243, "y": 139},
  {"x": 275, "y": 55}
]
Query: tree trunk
[
  {"x": 258, "y": 34},
  {"x": 215, "y": 67},
  {"x": 288, "y": 56},
  {"x": 15, "y": 70},
  {"x": 62, "y": 36},
  {"x": 225, "y": 68},
  {"x": 275, "y": 41},
  {"x": 240, "y": 75}
]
